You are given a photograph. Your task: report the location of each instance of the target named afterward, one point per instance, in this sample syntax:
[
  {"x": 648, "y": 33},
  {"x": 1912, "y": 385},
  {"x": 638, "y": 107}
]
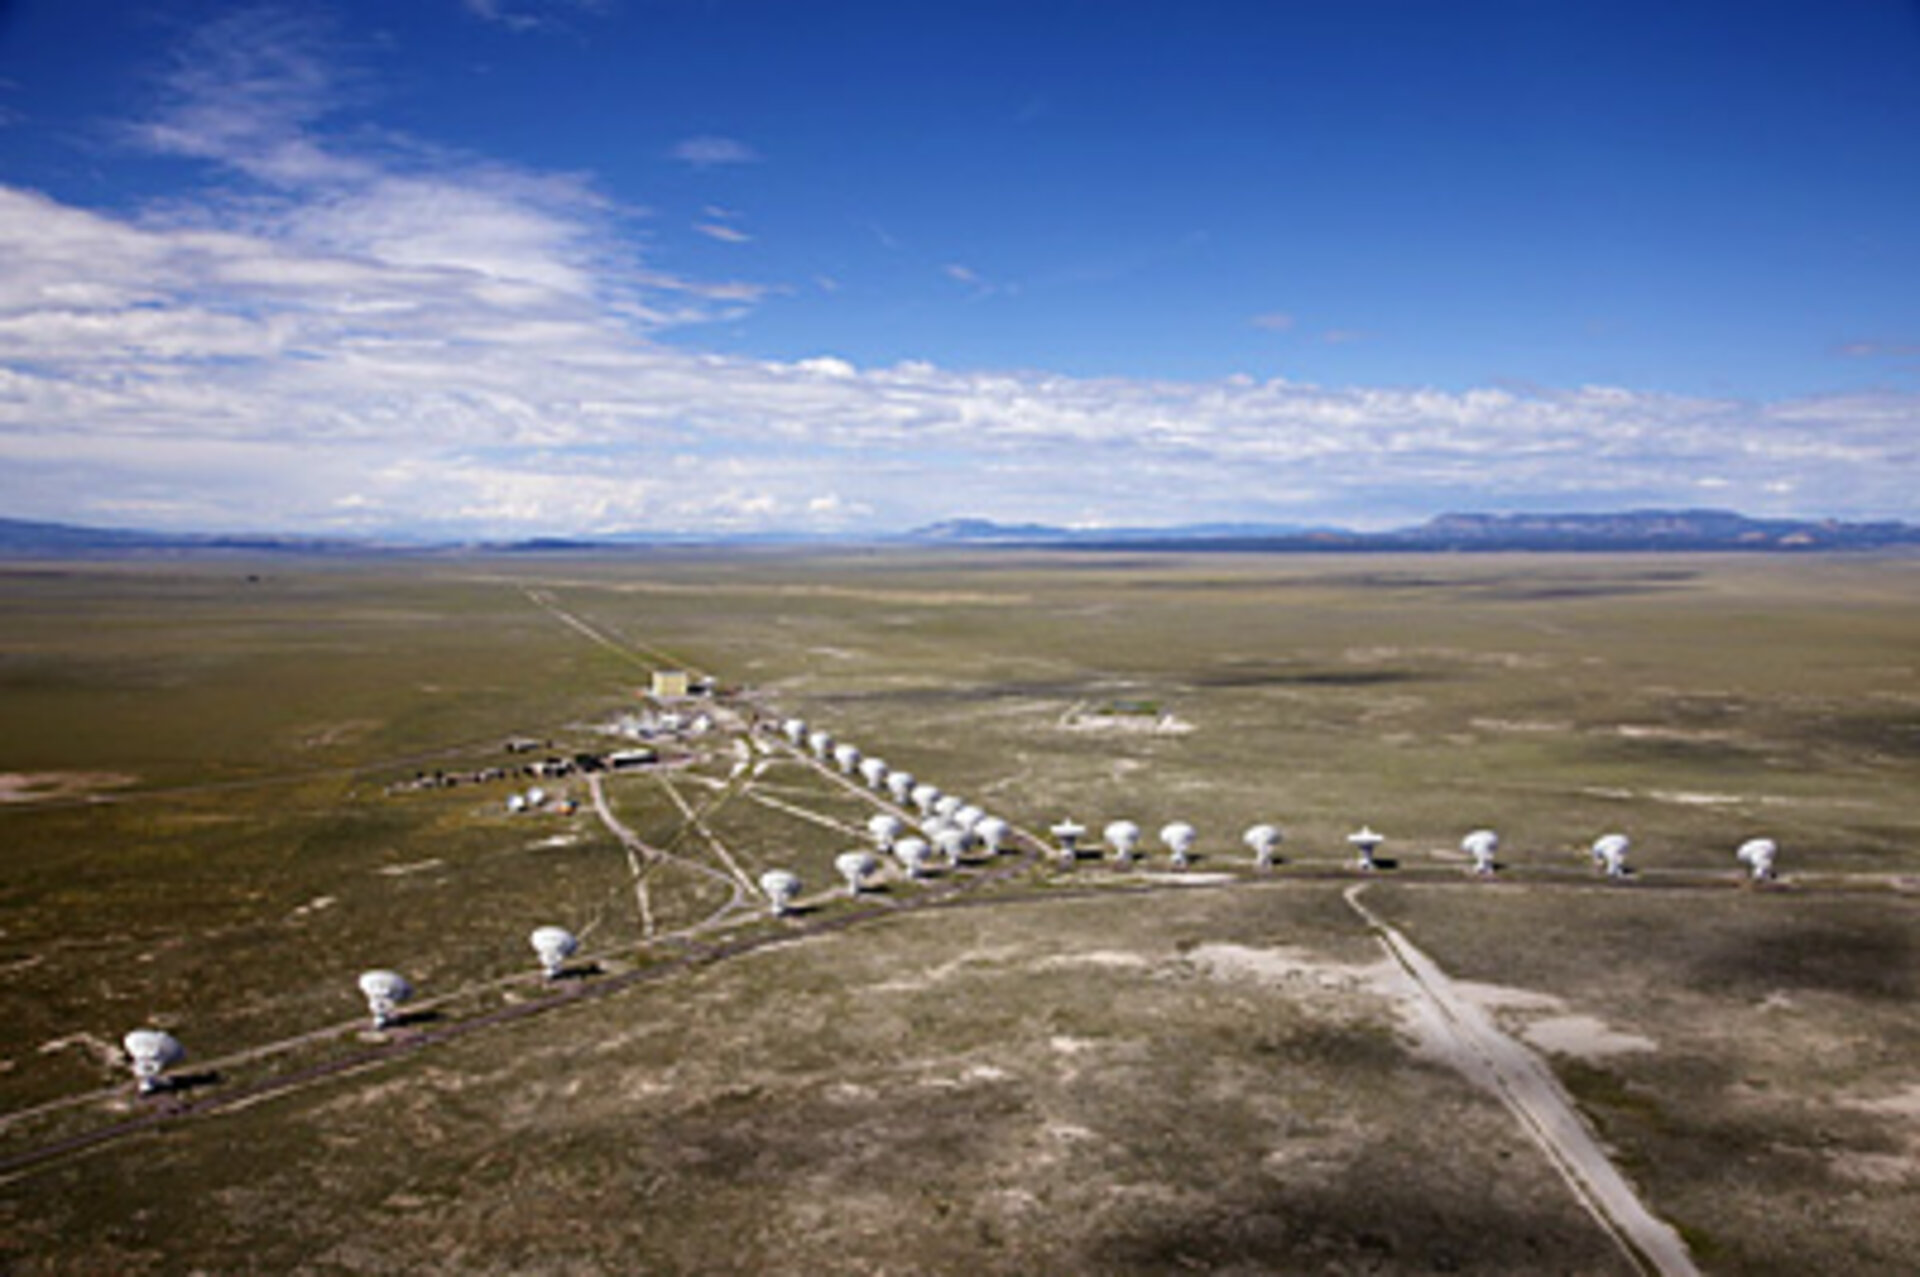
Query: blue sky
[{"x": 503, "y": 267}]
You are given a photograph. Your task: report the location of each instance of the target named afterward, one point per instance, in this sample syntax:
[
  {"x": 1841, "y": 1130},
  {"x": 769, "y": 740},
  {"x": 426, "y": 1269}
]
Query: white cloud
[
  {"x": 530, "y": 15},
  {"x": 708, "y": 151},
  {"x": 332, "y": 336},
  {"x": 724, "y": 233},
  {"x": 1273, "y": 321}
]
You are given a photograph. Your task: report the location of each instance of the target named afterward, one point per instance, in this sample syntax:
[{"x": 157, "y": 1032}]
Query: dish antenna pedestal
[{"x": 1365, "y": 843}]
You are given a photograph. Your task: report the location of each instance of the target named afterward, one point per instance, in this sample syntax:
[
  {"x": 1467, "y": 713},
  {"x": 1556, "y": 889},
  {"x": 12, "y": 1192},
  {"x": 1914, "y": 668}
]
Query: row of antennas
[
  {"x": 949, "y": 826},
  {"x": 151, "y": 1052},
  {"x": 1482, "y": 846}
]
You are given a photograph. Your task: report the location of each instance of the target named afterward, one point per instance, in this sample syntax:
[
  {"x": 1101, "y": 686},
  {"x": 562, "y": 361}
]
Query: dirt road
[{"x": 1528, "y": 1088}]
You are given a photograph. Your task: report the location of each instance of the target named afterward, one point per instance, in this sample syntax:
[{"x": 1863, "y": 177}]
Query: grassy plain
[{"x": 201, "y": 835}]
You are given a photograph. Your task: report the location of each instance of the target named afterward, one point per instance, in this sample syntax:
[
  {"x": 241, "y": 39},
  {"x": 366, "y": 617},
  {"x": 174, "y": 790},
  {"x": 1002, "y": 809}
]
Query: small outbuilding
[{"x": 672, "y": 684}]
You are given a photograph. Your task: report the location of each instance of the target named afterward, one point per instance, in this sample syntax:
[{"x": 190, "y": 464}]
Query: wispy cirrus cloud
[
  {"x": 710, "y": 151},
  {"x": 1880, "y": 350},
  {"x": 530, "y": 15},
  {"x": 725, "y": 232},
  {"x": 977, "y": 284}
]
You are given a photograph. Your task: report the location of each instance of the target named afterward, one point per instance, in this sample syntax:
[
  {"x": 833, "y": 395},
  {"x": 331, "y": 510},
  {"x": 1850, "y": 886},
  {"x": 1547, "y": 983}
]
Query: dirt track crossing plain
[{"x": 228, "y": 786}]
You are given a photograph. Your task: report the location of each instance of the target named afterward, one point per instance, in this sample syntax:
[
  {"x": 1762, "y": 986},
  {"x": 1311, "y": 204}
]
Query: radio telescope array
[{"x": 949, "y": 826}]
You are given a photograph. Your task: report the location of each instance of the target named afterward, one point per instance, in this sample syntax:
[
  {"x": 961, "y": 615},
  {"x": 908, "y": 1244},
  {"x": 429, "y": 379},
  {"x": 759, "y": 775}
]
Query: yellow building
[{"x": 671, "y": 684}]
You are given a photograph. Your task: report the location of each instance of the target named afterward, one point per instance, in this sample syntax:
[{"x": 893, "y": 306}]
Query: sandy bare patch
[
  {"x": 1901, "y": 1113},
  {"x": 101, "y": 1050},
  {"x": 1686, "y": 799},
  {"x": 1656, "y": 731},
  {"x": 922, "y": 980},
  {"x": 1874, "y": 1168},
  {"x": 1583, "y": 1037},
  {"x": 401, "y": 871},
  {"x": 1544, "y": 1022},
  {"x": 1284, "y": 964},
  {"x": 41, "y": 787},
  {"x": 1178, "y": 878},
  {"x": 322, "y": 735},
  {"x": 1901, "y": 1104},
  {"x": 930, "y": 598},
  {"x": 1109, "y": 958},
  {"x": 1075, "y": 720},
  {"x": 1505, "y": 998},
  {"x": 1519, "y": 725}
]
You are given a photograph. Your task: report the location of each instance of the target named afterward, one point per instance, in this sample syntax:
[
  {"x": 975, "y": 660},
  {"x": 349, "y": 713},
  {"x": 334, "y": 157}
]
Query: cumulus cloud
[{"x": 337, "y": 335}]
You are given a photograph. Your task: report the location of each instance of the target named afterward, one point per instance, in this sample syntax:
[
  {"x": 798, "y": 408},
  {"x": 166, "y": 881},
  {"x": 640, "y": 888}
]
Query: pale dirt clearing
[{"x": 42, "y": 787}]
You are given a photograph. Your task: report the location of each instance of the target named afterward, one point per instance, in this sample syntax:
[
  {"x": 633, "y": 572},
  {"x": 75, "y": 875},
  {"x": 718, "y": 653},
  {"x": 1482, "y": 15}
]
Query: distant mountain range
[
  {"x": 1633, "y": 530},
  {"x": 1627, "y": 530},
  {"x": 25, "y": 537}
]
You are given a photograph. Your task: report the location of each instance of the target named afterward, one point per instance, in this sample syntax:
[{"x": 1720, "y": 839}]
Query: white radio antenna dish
[
  {"x": 553, "y": 946},
  {"x": 782, "y": 888},
  {"x": 1610, "y": 853},
  {"x": 1757, "y": 855},
  {"x": 1178, "y": 838},
  {"x": 885, "y": 827},
  {"x": 384, "y": 991},
  {"x": 1365, "y": 843},
  {"x": 1481, "y": 844},
  {"x": 855, "y": 866},
  {"x": 1262, "y": 840},
  {"x": 152, "y": 1052}
]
